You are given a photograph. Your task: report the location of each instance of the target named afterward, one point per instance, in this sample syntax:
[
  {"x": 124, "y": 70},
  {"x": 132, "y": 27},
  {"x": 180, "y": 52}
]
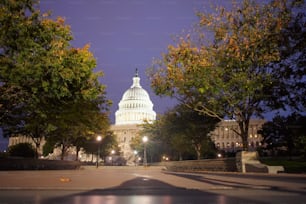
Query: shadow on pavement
[
  {"x": 217, "y": 182},
  {"x": 235, "y": 184},
  {"x": 147, "y": 191}
]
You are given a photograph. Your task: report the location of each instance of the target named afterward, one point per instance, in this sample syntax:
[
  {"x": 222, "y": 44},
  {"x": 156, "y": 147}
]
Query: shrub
[{"x": 22, "y": 150}]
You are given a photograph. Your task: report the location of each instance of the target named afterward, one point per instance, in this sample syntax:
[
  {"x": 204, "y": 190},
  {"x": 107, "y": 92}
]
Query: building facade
[
  {"x": 134, "y": 109},
  {"x": 226, "y": 138}
]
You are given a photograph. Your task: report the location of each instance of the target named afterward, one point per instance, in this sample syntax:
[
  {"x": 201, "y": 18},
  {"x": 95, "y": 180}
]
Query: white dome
[
  {"x": 135, "y": 106},
  {"x": 136, "y": 93}
]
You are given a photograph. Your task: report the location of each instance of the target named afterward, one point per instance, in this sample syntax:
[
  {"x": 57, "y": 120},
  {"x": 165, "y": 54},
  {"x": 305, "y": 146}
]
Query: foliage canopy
[
  {"x": 230, "y": 76},
  {"x": 45, "y": 83}
]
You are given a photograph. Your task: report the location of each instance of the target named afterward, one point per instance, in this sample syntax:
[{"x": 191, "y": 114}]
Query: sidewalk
[
  {"x": 86, "y": 178},
  {"x": 90, "y": 177}
]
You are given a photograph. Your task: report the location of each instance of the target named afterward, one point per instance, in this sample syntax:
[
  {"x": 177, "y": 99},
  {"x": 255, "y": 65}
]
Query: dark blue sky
[{"x": 127, "y": 34}]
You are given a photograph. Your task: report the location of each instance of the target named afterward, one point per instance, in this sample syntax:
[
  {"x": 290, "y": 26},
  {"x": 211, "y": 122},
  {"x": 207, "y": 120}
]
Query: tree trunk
[
  {"x": 244, "y": 133},
  {"x": 37, "y": 145},
  {"x": 36, "y": 150},
  {"x": 77, "y": 153},
  {"x": 180, "y": 156},
  {"x": 245, "y": 143},
  {"x": 63, "y": 151},
  {"x": 198, "y": 148}
]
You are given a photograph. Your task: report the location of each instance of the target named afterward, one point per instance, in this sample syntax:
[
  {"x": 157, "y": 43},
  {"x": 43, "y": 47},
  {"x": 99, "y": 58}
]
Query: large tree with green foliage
[
  {"x": 43, "y": 79},
  {"x": 108, "y": 143},
  {"x": 155, "y": 146},
  {"x": 230, "y": 76},
  {"x": 184, "y": 130},
  {"x": 75, "y": 124}
]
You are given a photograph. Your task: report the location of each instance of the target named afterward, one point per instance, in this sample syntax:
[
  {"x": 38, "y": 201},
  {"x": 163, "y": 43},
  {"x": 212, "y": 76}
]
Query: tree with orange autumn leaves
[
  {"x": 47, "y": 87},
  {"x": 229, "y": 76}
]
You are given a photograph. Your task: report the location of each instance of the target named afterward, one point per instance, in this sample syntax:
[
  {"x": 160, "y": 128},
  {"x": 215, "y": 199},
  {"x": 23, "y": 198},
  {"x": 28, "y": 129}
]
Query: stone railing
[
  {"x": 222, "y": 164},
  {"x": 249, "y": 162},
  {"x": 244, "y": 162}
]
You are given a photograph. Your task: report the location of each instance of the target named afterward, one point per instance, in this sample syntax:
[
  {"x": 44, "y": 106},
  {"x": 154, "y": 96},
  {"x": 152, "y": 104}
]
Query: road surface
[{"x": 151, "y": 185}]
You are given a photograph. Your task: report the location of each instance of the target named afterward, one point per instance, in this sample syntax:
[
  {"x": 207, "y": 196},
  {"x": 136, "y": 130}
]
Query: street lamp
[
  {"x": 99, "y": 138},
  {"x": 135, "y": 155},
  {"x": 145, "y": 140},
  {"x": 113, "y": 152}
]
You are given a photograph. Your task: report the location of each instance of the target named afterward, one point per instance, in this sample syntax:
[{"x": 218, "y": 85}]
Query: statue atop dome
[{"x": 136, "y": 72}]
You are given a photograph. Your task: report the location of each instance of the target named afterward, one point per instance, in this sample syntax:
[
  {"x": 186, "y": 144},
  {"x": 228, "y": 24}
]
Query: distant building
[
  {"x": 23, "y": 139},
  {"x": 226, "y": 138},
  {"x": 135, "y": 108}
]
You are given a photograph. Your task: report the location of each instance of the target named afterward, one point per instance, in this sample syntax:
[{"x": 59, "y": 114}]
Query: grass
[{"x": 291, "y": 165}]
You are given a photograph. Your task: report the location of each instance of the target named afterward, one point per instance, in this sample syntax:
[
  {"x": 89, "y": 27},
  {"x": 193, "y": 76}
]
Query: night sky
[{"x": 125, "y": 35}]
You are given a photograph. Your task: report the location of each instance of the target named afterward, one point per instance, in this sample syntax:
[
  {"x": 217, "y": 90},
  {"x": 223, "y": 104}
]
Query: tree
[
  {"x": 192, "y": 127},
  {"x": 42, "y": 77},
  {"x": 76, "y": 123},
  {"x": 108, "y": 143},
  {"x": 155, "y": 147},
  {"x": 17, "y": 51},
  {"x": 161, "y": 140},
  {"x": 184, "y": 129},
  {"x": 287, "y": 133},
  {"x": 229, "y": 76},
  {"x": 22, "y": 150},
  {"x": 291, "y": 69}
]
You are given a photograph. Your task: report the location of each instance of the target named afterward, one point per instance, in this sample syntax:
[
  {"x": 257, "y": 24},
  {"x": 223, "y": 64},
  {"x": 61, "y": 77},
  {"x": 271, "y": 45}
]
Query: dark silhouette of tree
[{"x": 286, "y": 134}]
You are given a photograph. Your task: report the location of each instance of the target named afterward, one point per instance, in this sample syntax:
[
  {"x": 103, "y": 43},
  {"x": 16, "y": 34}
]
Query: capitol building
[{"x": 135, "y": 108}]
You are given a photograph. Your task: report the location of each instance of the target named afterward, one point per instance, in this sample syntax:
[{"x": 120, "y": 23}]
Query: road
[{"x": 151, "y": 185}]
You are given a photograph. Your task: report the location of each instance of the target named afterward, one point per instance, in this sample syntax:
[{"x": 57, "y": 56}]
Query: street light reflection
[
  {"x": 99, "y": 139},
  {"x": 145, "y": 140},
  {"x": 110, "y": 199}
]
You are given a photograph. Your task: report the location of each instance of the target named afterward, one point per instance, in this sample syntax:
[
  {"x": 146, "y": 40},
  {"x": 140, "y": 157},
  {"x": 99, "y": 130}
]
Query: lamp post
[
  {"x": 113, "y": 152},
  {"x": 145, "y": 140},
  {"x": 99, "y": 138},
  {"x": 135, "y": 155}
]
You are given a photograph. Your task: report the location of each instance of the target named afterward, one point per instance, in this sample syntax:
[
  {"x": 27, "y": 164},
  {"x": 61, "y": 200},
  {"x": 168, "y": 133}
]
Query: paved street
[{"x": 148, "y": 185}]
